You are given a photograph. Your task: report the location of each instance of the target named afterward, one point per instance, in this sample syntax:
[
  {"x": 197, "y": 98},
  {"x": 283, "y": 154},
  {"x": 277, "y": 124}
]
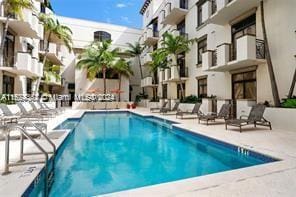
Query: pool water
[{"x": 119, "y": 151}]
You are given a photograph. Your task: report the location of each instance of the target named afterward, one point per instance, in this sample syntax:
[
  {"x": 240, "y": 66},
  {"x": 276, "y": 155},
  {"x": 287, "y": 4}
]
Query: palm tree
[
  {"x": 13, "y": 8},
  {"x": 97, "y": 58},
  {"x": 159, "y": 62},
  {"x": 174, "y": 45},
  {"x": 54, "y": 29},
  {"x": 274, "y": 88},
  {"x": 292, "y": 87},
  {"x": 122, "y": 68},
  {"x": 135, "y": 50}
]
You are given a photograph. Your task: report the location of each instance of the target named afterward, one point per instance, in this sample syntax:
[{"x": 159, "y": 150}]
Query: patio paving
[{"x": 274, "y": 179}]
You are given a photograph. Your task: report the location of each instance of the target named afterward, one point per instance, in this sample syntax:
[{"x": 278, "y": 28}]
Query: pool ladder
[{"x": 49, "y": 164}]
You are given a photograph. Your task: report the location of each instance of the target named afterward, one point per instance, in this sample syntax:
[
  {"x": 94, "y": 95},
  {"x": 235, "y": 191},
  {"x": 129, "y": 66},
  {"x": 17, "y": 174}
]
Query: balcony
[
  {"x": 25, "y": 65},
  {"x": 40, "y": 31},
  {"x": 173, "y": 75},
  {"x": 209, "y": 59},
  {"x": 180, "y": 33},
  {"x": 39, "y": 69},
  {"x": 53, "y": 53},
  {"x": 161, "y": 76},
  {"x": 25, "y": 27},
  {"x": 150, "y": 37},
  {"x": 146, "y": 59},
  {"x": 249, "y": 51},
  {"x": 148, "y": 82},
  {"x": 174, "y": 12},
  {"x": 228, "y": 10}
]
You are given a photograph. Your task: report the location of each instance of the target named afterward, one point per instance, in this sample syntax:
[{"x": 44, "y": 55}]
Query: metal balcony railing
[
  {"x": 232, "y": 52},
  {"x": 184, "y": 72},
  {"x": 260, "y": 49},
  {"x": 214, "y": 6},
  {"x": 214, "y": 58}
]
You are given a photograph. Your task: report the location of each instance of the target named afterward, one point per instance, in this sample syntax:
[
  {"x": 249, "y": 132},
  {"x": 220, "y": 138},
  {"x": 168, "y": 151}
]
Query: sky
[{"x": 120, "y": 12}]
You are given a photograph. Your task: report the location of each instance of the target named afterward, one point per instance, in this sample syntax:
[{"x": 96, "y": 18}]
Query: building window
[
  {"x": 101, "y": 36},
  {"x": 30, "y": 48},
  {"x": 8, "y": 84},
  {"x": 9, "y": 42},
  {"x": 184, "y": 4},
  {"x": 165, "y": 91},
  {"x": 244, "y": 85},
  {"x": 109, "y": 75},
  {"x": 71, "y": 86},
  {"x": 199, "y": 14},
  {"x": 179, "y": 92},
  {"x": 181, "y": 27},
  {"x": 246, "y": 26},
  {"x": 202, "y": 91},
  {"x": 201, "y": 48},
  {"x": 29, "y": 86}
]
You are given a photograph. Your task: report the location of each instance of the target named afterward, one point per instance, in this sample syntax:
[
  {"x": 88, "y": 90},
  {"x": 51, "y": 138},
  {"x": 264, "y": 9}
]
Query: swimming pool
[{"x": 111, "y": 152}]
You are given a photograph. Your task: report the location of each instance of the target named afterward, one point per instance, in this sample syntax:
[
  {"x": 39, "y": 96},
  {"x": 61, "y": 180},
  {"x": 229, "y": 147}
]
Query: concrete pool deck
[{"x": 273, "y": 179}]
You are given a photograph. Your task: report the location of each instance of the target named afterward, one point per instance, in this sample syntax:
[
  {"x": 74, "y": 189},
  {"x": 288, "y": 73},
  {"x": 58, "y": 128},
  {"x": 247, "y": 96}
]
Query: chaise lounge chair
[
  {"x": 223, "y": 114},
  {"x": 195, "y": 111},
  {"x": 255, "y": 117},
  {"x": 153, "y": 109},
  {"x": 174, "y": 109}
]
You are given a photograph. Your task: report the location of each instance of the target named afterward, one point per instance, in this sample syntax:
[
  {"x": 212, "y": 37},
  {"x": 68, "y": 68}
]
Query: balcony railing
[
  {"x": 213, "y": 6},
  {"x": 184, "y": 72},
  {"x": 8, "y": 61},
  {"x": 260, "y": 49},
  {"x": 232, "y": 52},
  {"x": 214, "y": 58}
]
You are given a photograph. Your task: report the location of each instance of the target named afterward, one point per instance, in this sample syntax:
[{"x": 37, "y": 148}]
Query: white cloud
[
  {"x": 126, "y": 19},
  {"x": 121, "y": 5}
]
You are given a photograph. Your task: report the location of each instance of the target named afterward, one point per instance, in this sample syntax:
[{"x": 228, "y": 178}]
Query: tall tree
[
  {"x": 159, "y": 62},
  {"x": 13, "y": 8},
  {"x": 135, "y": 50},
  {"x": 174, "y": 45},
  {"x": 292, "y": 85},
  {"x": 97, "y": 58},
  {"x": 53, "y": 28},
  {"x": 274, "y": 88},
  {"x": 122, "y": 68}
]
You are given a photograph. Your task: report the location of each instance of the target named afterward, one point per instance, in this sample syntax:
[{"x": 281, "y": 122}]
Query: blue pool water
[{"x": 119, "y": 151}]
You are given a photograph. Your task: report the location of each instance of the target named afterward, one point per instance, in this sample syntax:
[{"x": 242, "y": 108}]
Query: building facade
[
  {"x": 228, "y": 59},
  {"x": 84, "y": 33},
  {"x": 25, "y": 46}
]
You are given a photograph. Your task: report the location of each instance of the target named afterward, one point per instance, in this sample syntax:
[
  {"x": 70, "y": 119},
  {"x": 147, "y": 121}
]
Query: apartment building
[
  {"x": 20, "y": 63},
  {"x": 228, "y": 58},
  {"x": 84, "y": 33},
  {"x": 25, "y": 49}
]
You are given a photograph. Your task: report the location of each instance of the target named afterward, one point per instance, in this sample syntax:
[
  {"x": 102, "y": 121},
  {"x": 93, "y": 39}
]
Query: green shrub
[
  {"x": 156, "y": 99},
  {"x": 191, "y": 99},
  {"x": 140, "y": 96},
  {"x": 289, "y": 103}
]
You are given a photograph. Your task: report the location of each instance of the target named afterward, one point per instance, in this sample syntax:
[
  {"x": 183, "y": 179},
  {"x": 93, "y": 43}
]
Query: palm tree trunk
[
  {"x": 119, "y": 88},
  {"x": 274, "y": 88},
  {"x": 3, "y": 37},
  {"x": 44, "y": 62},
  {"x": 104, "y": 78},
  {"x": 179, "y": 77},
  {"x": 141, "y": 72},
  {"x": 292, "y": 86}
]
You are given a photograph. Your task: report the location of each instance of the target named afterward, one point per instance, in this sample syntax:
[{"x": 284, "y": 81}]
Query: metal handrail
[
  {"x": 7, "y": 164},
  {"x": 28, "y": 124}
]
